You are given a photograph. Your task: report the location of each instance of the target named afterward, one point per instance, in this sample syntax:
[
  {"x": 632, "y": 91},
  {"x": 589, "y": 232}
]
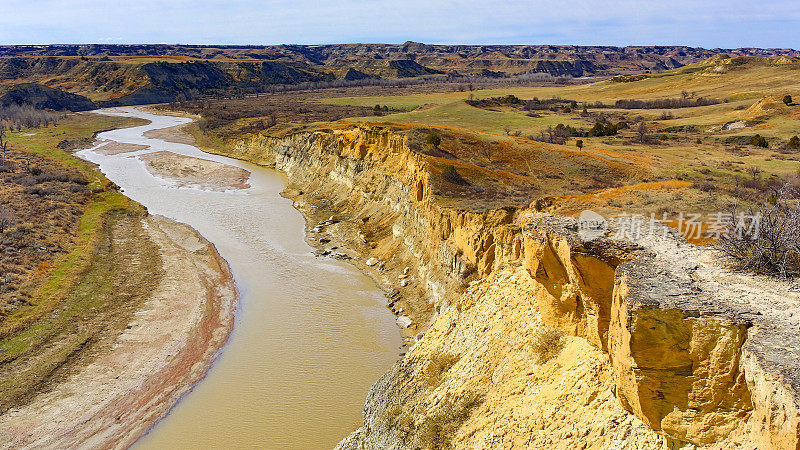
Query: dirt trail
[{"x": 168, "y": 346}]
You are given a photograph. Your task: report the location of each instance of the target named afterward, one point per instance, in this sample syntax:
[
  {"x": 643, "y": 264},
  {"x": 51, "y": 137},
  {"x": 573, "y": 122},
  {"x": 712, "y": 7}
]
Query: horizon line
[{"x": 66, "y": 44}]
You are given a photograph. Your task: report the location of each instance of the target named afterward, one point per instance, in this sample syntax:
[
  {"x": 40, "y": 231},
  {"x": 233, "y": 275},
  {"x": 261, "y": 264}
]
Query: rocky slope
[
  {"x": 117, "y": 83},
  {"x": 526, "y": 335},
  {"x": 113, "y": 75},
  {"x": 43, "y": 97}
]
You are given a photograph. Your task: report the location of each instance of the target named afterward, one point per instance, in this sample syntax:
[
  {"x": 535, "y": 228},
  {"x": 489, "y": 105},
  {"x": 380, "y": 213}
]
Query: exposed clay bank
[{"x": 311, "y": 334}]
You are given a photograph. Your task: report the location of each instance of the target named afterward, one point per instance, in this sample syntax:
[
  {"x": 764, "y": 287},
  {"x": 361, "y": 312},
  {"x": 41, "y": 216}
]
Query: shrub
[
  {"x": 759, "y": 141},
  {"x": 787, "y": 99},
  {"x": 437, "y": 430},
  {"x": 606, "y": 129},
  {"x": 705, "y": 186},
  {"x": 433, "y": 139},
  {"x": 767, "y": 245},
  {"x": 547, "y": 343},
  {"x": 438, "y": 365},
  {"x": 451, "y": 175},
  {"x": 794, "y": 143},
  {"x": 7, "y": 218},
  {"x": 666, "y": 115}
]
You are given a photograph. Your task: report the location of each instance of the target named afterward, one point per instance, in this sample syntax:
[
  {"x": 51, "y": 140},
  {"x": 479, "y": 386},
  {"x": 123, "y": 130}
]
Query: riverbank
[
  {"x": 126, "y": 317},
  {"x": 521, "y": 304},
  {"x": 335, "y": 229},
  {"x": 311, "y": 334},
  {"x": 167, "y": 347}
]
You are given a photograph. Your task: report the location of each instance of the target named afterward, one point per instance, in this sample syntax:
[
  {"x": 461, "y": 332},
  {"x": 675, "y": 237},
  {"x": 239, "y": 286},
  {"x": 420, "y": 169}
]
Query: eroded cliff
[{"x": 526, "y": 335}]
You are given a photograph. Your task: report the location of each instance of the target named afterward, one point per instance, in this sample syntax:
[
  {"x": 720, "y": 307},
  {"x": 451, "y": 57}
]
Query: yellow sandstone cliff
[{"x": 528, "y": 336}]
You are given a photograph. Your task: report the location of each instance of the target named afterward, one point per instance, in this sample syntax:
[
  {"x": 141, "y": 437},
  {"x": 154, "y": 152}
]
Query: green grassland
[
  {"x": 696, "y": 158},
  {"x": 689, "y": 146},
  {"x": 79, "y": 296}
]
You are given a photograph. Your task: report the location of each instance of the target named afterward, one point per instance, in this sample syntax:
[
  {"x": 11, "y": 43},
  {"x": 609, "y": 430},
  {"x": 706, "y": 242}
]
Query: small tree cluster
[
  {"x": 606, "y": 128},
  {"x": 558, "y": 134},
  {"x": 759, "y": 141},
  {"x": 26, "y": 116},
  {"x": 433, "y": 139},
  {"x": 666, "y": 103},
  {"x": 641, "y": 132}
]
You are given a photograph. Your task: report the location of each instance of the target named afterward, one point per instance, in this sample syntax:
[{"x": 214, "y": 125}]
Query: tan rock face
[
  {"x": 680, "y": 374},
  {"x": 697, "y": 354},
  {"x": 578, "y": 286},
  {"x": 477, "y": 381}
]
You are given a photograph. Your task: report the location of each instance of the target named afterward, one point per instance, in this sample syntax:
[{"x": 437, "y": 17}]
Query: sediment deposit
[
  {"x": 187, "y": 171},
  {"x": 165, "y": 350}
]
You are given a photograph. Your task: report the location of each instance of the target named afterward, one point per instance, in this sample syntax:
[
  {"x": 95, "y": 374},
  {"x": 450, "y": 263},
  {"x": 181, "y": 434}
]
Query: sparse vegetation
[
  {"x": 57, "y": 261},
  {"x": 759, "y": 141},
  {"x": 437, "y": 366},
  {"x": 547, "y": 343},
  {"x": 437, "y": 430},
  {"x": 766, "y": 240},
  {"x": 433, "y": 139},
  {"x": 7, "y": 218}
]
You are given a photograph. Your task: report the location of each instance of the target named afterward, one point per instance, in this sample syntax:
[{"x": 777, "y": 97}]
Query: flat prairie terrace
[{"x": 692, "y": 152}]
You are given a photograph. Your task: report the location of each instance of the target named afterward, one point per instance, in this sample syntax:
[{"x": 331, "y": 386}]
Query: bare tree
[
  {"x": 7, "y": 218},
  {"x": 3, "y": 142},
  {"x": 641, "y": 132},
  {"x": 765, "y": 241},
  {"x": 507, "y": 129},
  {"x": 755, "y": 172}
]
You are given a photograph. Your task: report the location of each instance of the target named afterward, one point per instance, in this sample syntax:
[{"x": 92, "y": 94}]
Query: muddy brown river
[{"x": 311, "y": 335}]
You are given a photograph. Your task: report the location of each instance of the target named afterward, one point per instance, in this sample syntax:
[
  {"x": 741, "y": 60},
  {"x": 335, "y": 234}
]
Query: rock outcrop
[{"x": 661, "y": 345}]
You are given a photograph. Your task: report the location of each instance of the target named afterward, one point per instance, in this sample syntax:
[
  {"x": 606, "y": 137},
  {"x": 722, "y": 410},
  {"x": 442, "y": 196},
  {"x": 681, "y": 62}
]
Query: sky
[{"x": 709, "y": 24}]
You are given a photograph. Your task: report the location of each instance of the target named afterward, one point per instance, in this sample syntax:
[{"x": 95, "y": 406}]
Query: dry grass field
[{"x": 698, "y": 158}]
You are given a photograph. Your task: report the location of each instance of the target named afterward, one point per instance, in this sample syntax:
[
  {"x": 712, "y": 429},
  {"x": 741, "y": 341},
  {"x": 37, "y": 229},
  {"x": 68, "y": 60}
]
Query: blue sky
[{"x": 731, "y": 23}]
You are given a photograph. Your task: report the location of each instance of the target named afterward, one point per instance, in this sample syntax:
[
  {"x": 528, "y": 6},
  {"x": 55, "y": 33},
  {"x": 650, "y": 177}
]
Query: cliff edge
[{"x": 524, "y": 334}]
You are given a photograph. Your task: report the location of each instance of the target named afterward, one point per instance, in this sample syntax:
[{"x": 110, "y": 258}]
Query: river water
[{"x": 311, "y": 335}]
